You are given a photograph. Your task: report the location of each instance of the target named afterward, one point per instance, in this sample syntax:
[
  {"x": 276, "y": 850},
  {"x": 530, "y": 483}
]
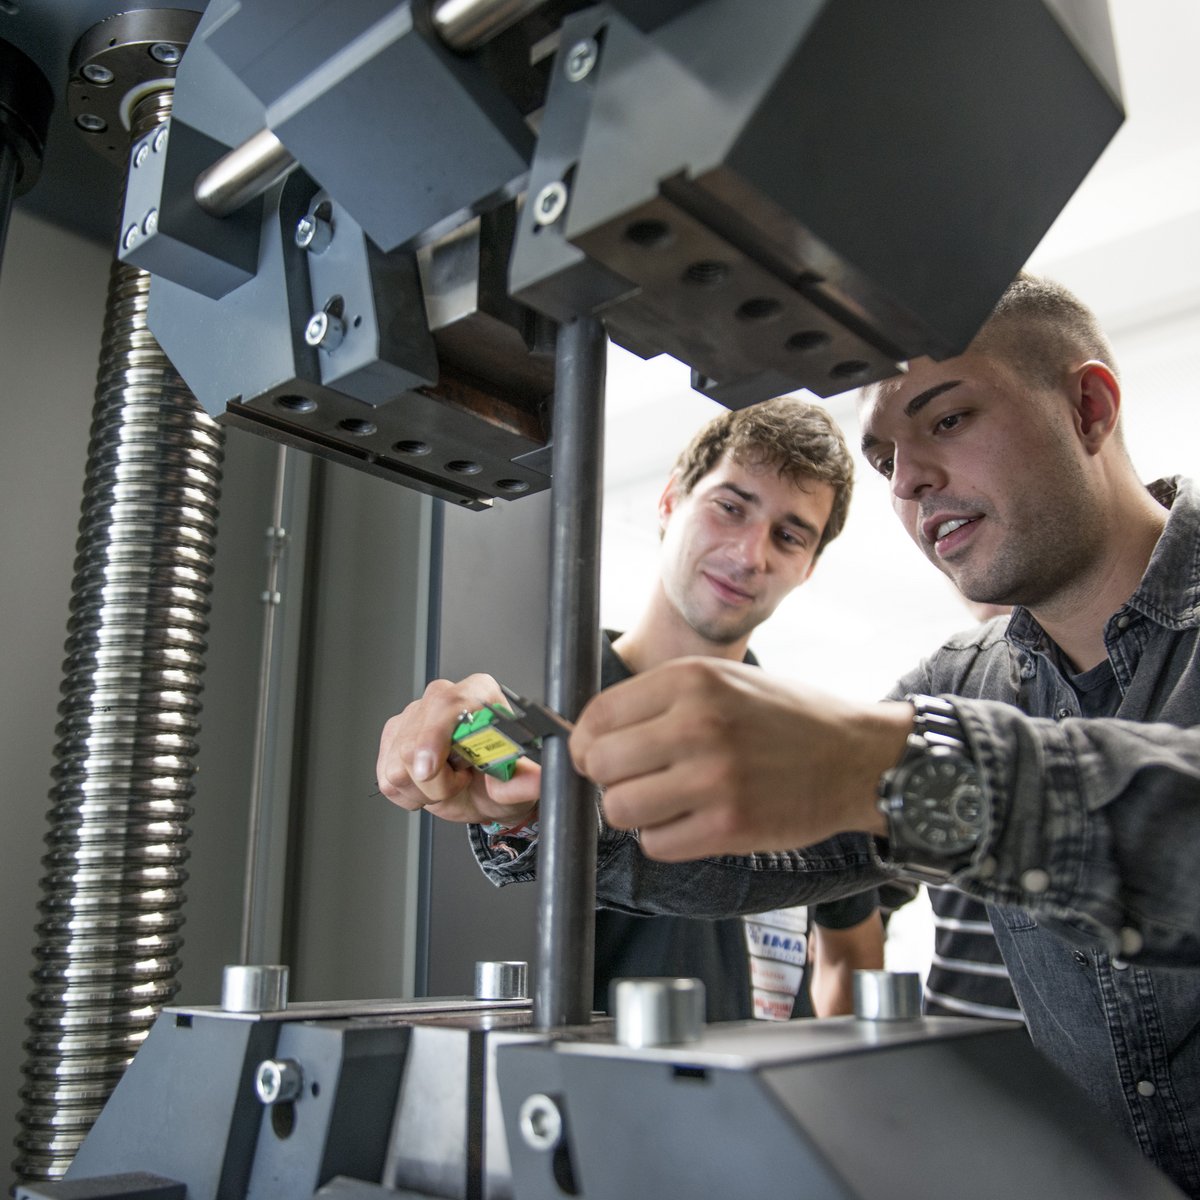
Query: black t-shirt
[{"x": 716, "y": 952}]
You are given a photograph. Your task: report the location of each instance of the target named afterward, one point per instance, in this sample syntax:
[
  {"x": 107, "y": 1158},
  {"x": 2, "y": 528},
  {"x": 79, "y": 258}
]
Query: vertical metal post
[
  {"x": 562, "y": 993},
  {"x": 9, "y": 168}
]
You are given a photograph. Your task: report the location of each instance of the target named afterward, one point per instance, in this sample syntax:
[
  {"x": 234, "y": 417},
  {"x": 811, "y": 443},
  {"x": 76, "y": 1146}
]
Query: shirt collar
[{"x": 1169, "y": 592}]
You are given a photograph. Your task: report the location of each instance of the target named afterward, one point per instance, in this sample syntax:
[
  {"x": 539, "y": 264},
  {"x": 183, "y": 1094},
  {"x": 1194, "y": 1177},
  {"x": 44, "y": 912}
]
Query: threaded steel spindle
[{"x": 109, "y": 935}]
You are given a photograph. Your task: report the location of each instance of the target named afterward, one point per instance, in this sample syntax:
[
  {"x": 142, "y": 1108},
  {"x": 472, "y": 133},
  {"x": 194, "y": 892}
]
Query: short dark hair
[
  {"x": 1042, "y": 330},
  {"x": 801, "y": 440}
]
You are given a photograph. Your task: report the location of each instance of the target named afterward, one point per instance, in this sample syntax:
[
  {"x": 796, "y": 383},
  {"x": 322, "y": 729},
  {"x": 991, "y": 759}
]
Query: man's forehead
[{"x": 751, "y": 476}]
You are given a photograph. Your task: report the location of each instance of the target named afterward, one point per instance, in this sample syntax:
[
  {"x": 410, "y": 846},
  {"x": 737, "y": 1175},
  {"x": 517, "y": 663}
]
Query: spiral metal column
[{"x": 109, "y": 935}]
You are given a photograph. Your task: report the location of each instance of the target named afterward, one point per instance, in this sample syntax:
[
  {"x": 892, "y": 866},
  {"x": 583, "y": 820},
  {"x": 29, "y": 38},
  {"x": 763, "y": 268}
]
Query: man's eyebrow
[
  {"x": 913, "y": 407},
  {"x": 919, "y": 401}
]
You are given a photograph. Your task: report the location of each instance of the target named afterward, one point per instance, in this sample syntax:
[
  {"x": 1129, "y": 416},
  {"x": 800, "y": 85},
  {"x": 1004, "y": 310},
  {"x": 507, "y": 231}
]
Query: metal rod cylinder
[
  {"x": 247, "y": 171},
  {"x": 567, "y": 845},
  {"x": 468, "y": 24},
  {"x": 109, "y": 935},
  {"x": 9, "y": 168},
  {"x": 253, "y": 900}
]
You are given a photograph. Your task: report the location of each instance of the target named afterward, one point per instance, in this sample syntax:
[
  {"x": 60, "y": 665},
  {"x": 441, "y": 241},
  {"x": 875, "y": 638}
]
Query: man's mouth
[
  {"x": 948, "y": 534},
  {"x": 949, "y": 527},
  {"x": 727, "y": 590}
]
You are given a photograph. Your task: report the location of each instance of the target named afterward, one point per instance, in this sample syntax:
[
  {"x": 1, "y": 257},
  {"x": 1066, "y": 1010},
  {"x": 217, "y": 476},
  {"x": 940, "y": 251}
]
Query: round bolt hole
[
  {"x": 852, "y": 368},
  {"x": 358, "y": 427},
  {"x": 706, "y": 273},
  {"x": 514, "y": 486},
  {"x": 463, "y": 466},
  {"x": 760, "y": 308},
  {"x": 283, "y": 1119},
  {"x": 413, "y": 447},
  {"x": 808, "y": 339},
  {"x": 649, "y": 233},
  {"x": 315, "y": 1089},
  {"x": 296, "y": 404}
]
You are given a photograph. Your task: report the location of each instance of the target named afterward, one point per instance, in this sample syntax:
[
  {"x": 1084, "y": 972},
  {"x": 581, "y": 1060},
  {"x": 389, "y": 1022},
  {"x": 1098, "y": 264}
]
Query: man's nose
[
  {"x": 750, "y": 547},
  {"x": 913, "y": 473}
]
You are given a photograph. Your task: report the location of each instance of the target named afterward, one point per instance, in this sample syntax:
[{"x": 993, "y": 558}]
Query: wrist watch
[{"x": 932, "y": 797}]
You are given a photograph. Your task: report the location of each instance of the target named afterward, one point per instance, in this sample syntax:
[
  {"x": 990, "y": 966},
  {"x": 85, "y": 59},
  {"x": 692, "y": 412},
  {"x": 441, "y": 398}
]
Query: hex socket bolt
[{"x": 278, "y": 1080}]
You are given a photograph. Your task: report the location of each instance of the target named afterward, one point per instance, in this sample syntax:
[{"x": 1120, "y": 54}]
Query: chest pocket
[{"x": 1018, "y": 920}]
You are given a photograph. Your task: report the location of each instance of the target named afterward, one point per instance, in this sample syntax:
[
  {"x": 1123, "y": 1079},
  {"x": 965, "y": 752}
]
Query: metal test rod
[
  {"x": 565, "y": 967},
  {"x": 262, "y": 160},
  {"x": 468, "y": 24},
  {"x": 245, "y": 172}
]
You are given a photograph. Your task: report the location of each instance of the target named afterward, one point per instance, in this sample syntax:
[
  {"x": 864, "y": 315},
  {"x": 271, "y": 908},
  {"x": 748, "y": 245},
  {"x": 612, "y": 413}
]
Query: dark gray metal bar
[
  {"x": 562, "y": 993},
  {"x": 8, "y": 186}
]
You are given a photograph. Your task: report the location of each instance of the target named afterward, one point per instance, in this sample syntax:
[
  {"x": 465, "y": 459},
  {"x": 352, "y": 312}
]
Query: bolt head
[
  {"x": 97, "y": 73},
  {"x": 166, "y": 53},
  {"x": 141, "y": 154},
  {"x": 132, "y": 235},
  {"x": 325, "y": 331},
  {"x": 550, "y": 203},
  {"x": 314, "y": 331},
  {"x": 91, "y": 123},
  {"x": 160, "y": 140},
  {"x": 150, "y": 222},
  {"x": 313, "y": 234},
  {"x": 581, "y": 58}
]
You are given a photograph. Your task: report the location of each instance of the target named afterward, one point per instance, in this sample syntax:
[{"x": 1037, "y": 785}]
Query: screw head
[
  {"x": 324, "y": 331},
  {"x": 541, "y": 1123},
  {"x": 550, "y": 203},
  {"x": 97, "y": 73},
  {"x": 160, "y": 140},
  {"x": 132, "y": 235},
  {"x": 141, "y": 154},
  {"x": 166, "y": 53},
  {"x": 581, "y": 58},
  {"x": 313, "y": 234},
  {"x": 150, "y": 223},
  {"x": 91, "y": 123}
]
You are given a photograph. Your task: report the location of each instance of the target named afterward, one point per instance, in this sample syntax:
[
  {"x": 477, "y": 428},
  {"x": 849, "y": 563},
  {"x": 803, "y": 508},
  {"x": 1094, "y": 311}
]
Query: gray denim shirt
[{"x": 1091, "y": 863}]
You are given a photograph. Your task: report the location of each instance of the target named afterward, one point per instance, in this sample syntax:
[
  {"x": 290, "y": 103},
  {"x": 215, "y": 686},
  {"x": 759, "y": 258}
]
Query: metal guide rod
[
  {"x": 9, "y": 171},
  {"x": 247, "y": 171},
  {"x": 252, "y": 898},
  {"x": 262, "y": 160},
  {"x": 562, "y": 993},
  {"x": 468, "y": 24}
]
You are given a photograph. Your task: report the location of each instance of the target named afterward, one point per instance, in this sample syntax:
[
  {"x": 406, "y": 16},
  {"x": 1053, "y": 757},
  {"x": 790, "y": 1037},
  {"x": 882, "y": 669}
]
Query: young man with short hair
[{"x": 752, "y": 501}]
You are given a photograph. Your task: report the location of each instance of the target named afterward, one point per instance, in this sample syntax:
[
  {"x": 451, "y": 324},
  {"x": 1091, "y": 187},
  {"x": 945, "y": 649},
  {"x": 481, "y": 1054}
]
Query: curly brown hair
[{"x": 801, "y": 440}]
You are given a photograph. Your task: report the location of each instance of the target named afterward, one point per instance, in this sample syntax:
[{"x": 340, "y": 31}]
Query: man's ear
[
  {"x": 671, "y": 495},
  {"x": 1097, "y": 403}
]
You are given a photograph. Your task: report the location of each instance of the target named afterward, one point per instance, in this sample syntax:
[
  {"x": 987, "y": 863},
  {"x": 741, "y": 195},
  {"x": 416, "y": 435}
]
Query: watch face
[{"x": 943, "y": 805}]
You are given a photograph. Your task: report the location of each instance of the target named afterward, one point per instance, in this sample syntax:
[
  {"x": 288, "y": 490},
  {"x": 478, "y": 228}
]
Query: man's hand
[
  {"x": 414, "y": 771},
  {"x": 707, "y": 757}
]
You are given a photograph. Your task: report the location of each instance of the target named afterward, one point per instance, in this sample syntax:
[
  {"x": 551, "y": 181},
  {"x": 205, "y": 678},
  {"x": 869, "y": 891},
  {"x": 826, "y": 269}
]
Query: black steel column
[
  {"x": 25, "y": 103},
  {"x": 562, "y": 993}
]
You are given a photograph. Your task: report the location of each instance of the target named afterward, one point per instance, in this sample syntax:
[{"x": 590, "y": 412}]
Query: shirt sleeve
[
  {"x": 1095, "y": 823},
  {"x": 711, "y": 887}
]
